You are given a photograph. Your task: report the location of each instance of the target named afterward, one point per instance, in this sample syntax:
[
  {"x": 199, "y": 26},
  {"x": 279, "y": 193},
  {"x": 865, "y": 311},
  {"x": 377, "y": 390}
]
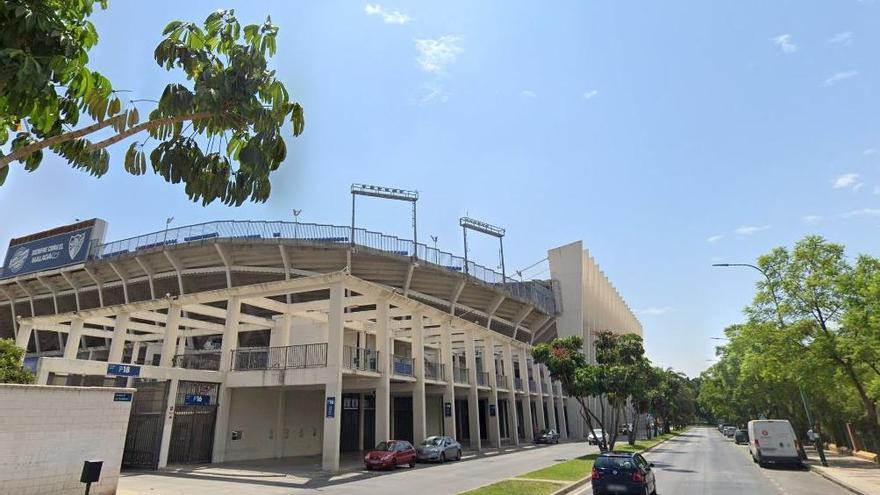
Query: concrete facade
[{"x": 41, "y": 451}]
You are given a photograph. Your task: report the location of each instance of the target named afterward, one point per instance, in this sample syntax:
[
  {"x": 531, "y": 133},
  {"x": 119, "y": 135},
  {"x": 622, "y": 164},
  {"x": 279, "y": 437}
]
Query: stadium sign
[{"x": 50, "y": 250}]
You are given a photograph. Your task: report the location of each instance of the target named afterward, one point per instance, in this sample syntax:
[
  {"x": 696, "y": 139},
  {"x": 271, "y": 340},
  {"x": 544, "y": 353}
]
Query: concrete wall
[
  {"x": 434, "y": 416},
  {"x": 47, "y": 432},
  {"x": 304, "y": 422}
]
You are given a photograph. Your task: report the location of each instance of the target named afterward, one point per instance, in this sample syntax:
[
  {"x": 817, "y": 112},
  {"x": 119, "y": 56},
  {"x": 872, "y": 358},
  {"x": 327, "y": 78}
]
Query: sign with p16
[
  {"x": 48, "y": 253},
  {"x": 123, "y": 370},
  {"x": 197, "y": 400}
]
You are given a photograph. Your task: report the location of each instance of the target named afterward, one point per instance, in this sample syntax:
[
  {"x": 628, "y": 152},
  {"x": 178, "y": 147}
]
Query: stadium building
[{"x": 255, "y": 340}]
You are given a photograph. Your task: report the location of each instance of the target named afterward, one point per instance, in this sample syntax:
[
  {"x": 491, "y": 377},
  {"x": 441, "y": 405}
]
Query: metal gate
[
  {"x": 144, "y": 436},
  {"x": 195, "y": 414}
]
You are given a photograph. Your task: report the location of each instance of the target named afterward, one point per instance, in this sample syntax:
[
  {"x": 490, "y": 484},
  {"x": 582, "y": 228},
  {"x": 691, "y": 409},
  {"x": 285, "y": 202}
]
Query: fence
[
  {"x": 267, "y": 358},
  {"x": 198, "y": 361},
  {"x": 434, "y": 371},
  {"x": 482, "y": 379},
  {"x": 359, "y": 358},
  {"x": 403, "y": 365},
  {"x": 460, "y": 374},
  {"x": 501, "y": 381},
  {"x": 538, "y": 293}
]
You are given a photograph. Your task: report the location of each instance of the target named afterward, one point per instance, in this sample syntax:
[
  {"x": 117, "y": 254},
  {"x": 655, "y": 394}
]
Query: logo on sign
[
  {"x": 18, "y": 259},
  {"x": 75, "y": 244},
  {"x": 764, "y": 433}
]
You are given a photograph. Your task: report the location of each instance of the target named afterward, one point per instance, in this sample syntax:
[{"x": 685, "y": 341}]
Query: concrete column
[
  {"x": 229, "y": 343},
  {"x": 279, "y": 334},
  {"x": 383, "y": 387},
  {"x": 169, "y": 341},
  {"x": 418, "y": 354},
  {"x": 551, "y": 402},
  {"x": 539, "y": 387},
  {"x": 493, "y": 423},
  {"x": 528, "y": 424},
  {"x": 117, "y": 345},
  {"x": 449, "y": 390},
  {"x": 181, "y": 346},
  {"x": 135, "y": 350},
  {"x": 24, "y": 336},
  {"x": 563, "y": 426},
  {"x": 279, "y": 425},
  {"x": 165, "y": 444},
  {"x": 73, "y": 338},
  {"x": 333, "y": 386},
  {"x": 512, "y": 417},
  {"x": 473, "y": 395}
]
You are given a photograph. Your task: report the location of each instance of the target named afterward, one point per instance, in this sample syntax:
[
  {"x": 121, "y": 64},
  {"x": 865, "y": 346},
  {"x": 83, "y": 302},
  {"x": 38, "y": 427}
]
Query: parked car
[
  {"x": 773, "y": 441},
  {"x": 621, "y": 473},
  {"x": 438, "y": 449},
  {"x": 625, "y": 429},
  {"x": 741, "y": 437},
  {"x": 547, "y": 436},
  {"x": 390, "y": 454},
  {"x": 594, "y": 436},
  {"x": 729, "y": 431}
]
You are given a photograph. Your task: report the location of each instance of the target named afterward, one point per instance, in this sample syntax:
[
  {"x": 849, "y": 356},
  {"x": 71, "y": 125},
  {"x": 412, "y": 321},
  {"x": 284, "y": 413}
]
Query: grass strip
[{"x": 518, "y": 487}]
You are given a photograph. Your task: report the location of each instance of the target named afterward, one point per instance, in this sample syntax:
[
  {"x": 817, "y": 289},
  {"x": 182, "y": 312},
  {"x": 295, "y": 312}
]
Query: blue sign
[
  {"x": 331, "y": 407},
  {"x": 48, "y": 253},
  {"x": 447, "y": 409},
  {"x": 197, "y": 400},
  {"x": 492, "y": 410},
  {"x": 123, "y": 370},
  {"x": 122, "y": 397}
]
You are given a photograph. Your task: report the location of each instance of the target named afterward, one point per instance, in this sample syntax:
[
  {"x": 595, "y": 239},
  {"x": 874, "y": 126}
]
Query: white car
[{"x": 595, "y": 435}]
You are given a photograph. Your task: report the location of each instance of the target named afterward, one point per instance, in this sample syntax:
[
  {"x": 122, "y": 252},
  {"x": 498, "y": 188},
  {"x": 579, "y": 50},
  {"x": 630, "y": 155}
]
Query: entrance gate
[
  {"x": 145, "y": 423},
  {"x": 195, "y": 414}
]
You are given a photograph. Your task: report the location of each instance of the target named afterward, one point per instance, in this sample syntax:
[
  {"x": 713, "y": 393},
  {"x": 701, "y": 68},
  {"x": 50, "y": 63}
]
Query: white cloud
[
  {"x": 431, "y": 92},
  {"x": 784, "y": 42},
  {"x": 844, "y": 38},
  {"x": 844, "y": 181},
  {"x": 389, "y": 16},
  {"x": 840, "y": 76},
  {"x": 812, "y": 219},
  {"x": 591, "y": 94},
  {"x": 858, "y": 186},
  {"x": 869, "y": 152},
  {"x": 435, "y": 55},
  {"x": 656, "y": 311},
  {"x": 862, "y": 212},
  {"x": 715, "y": 238},
  {"x": 528, "y": 94},
  {"x": 750, "y": 229},
  {"x": 876, "y": 189}
]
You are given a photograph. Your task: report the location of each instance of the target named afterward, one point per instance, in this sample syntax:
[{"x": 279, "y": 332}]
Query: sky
[{"x": 666, "y": 135}]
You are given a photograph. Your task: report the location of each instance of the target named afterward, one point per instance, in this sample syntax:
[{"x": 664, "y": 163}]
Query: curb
[
  {"x": 820, "y": 472},
  {"x": 583, "y": 481}
]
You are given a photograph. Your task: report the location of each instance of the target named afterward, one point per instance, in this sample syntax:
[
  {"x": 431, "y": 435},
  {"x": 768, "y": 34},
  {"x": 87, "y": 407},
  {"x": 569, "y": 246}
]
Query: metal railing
[
  {"x": 359, "y": 358},
  {"x": 268, "y": 358},
  {"x": 460, "y": 374},
  {"x": 518, "y": 384},
  {"x": 198, "y": 361},
  {"x": 533, "y": 386},
  {"x": 435, "y": 371},
  {"x": 482, "y": 379},
  {"x": 536, "y": 292},
  {"x": 402, "y": 365},
  {"x": 500, "y": 381}
]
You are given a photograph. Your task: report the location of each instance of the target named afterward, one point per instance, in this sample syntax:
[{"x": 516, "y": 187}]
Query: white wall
[
  {"x": 46, "y": 433},
  {"x": 304, "y": 422},
  {"x": 305, "y": 331}
]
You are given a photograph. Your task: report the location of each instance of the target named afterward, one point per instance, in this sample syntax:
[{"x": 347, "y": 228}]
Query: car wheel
[
  {"x": 458, "y": 455},
  {"x": 412, "y": 463}
]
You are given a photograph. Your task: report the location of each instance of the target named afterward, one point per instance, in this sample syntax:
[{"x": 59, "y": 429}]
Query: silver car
[{"x": 438, "y": 449}]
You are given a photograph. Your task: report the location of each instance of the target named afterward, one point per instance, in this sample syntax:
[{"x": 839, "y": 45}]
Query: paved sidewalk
[{"x": 857, "y": 474}]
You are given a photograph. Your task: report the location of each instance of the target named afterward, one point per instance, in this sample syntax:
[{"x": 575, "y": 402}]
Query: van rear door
[{"x": 775, "y": 439}]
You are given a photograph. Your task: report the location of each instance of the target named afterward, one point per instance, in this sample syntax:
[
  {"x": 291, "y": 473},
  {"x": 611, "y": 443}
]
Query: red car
[{"x": 390, "y": 454}]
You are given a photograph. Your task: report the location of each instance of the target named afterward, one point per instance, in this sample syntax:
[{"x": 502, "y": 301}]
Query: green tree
[
  {"x": 11, "y": 370},
  {"x": 220, "y": 134}
]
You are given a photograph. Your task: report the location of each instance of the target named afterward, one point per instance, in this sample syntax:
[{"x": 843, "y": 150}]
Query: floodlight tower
[
  {"x": 386, "y": 193},
  {"x": 468, "y": 223}
]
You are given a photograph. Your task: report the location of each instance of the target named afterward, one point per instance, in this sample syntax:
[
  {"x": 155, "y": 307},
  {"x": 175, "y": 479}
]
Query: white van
[{"x": 773, "y": 441}]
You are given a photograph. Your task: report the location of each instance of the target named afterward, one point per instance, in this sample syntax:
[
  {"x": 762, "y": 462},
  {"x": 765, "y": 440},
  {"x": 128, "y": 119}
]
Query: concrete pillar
[
  {"x": 418, "y": 354},
  {"x": 449, "y": 390},
  {"x": 117, "y": 345},
  {"x": 169, "y": 341},
  {"x": 135, "y": 350},
  {"x": 73, "y": 338},
  {"x": 493, "y": 423},
  {"x": 279, "y": 334},
  {"x": 383, "y": 387},
  {"x": 229, "y": 343},
  {"x": 24, "y": 336},
  {"x": 551, "y": 402},
  {"x": 473, "y": 395},
  {"x": 279, "y": 425},
  {"x": 181, "y": 347},
  {"x": 165, "y": 444},
  {"x": 512, "y": 417},
  {"x": 539, "y": 387},
  {"x": 333, "y": 386},
  {"x": 528, "y": 423}
]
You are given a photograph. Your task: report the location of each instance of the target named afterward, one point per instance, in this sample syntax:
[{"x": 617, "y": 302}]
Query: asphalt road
[{"x": 702, "y": 461}]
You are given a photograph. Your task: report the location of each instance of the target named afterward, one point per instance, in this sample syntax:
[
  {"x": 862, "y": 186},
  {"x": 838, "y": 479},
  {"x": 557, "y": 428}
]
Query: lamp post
[
  {"x": 296, "y": 223},
  {"x": 781, "y": 323},
  {"x": 434, "y": 238},
  {"x": 167, "y": 223}
]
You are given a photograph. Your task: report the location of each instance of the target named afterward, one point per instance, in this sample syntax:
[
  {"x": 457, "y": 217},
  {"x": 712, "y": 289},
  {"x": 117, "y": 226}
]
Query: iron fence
[
  {"x": 359, "y": 358},
  {"x": 518, "y": 384},
  {"x": 460, "y": 374},
  {"x": 403, "y": 365},
  {"x": 501, "y": 381},
  {"x": 533, "y": 387},
  {"x": 267, "y": 358},
  {"x": 209, "y": 360},
  {"x": 482, "y": 379},
  {"x": 434, "y": 371}
]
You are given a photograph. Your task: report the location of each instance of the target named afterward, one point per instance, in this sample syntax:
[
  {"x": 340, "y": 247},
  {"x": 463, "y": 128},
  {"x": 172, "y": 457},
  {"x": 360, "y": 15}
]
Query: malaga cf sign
[{"x": 52, "y": 249}]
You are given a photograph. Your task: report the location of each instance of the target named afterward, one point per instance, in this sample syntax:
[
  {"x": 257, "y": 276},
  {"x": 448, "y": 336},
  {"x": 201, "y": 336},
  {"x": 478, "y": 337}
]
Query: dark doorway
[
  {"x": 462, "y": 424},
  {"x": 536, "y": 425},
  {"x": 195, "y": 415},
  {"x": 520, "y": 426},
  {"x": 483, "y": 406},
  {"x": 403, "y": 419},
  {"x": 145, "y": 424},
  {"x": 502, "y": 419},
  {"x": 370, "y": 422},
  {"x": 349, "y": 438}
]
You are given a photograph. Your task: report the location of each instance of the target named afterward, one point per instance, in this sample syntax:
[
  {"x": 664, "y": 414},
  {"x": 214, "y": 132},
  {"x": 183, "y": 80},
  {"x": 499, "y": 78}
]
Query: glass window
[{"x": 615, "y": 462}]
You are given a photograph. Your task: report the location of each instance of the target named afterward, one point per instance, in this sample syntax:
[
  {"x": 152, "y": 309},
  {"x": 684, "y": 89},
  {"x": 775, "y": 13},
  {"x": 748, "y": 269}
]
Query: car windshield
[
  {"x": 613, "y": 462},
  {"x": 385, "y": 446},
  {"x": 433, "y": 442}
]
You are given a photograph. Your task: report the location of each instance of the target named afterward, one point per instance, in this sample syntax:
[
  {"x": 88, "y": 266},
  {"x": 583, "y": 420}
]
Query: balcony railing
[
  {"x": 538, "y": 293},
  {"x": 533, "y": 386},
  {"x": 482, "y": 379},
  {"x": 198, "y": 361},
  {"x": 460, "y": 374},
  {"x": 501, "y": 381},
  {"x": 403, "y": 365},
  {"x": 435, "y": 371},
  {"x": 269, "y": 358},
  {"x": 518, "y": 384},
  {"x": 359, "y": 358}
]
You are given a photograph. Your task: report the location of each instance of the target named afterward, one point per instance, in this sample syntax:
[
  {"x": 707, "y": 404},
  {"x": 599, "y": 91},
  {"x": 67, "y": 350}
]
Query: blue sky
[{"x": 665, "y": 135}]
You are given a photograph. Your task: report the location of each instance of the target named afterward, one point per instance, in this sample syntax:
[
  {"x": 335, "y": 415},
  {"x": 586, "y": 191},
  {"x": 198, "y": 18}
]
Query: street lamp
[
  {"x": 167, "y": 223},
  {"x": 296, "y": 222},
  {"x": 468, "y": 223},
  {"x": 386, "y": 193},
  {"x": 434, "y": 238}
]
